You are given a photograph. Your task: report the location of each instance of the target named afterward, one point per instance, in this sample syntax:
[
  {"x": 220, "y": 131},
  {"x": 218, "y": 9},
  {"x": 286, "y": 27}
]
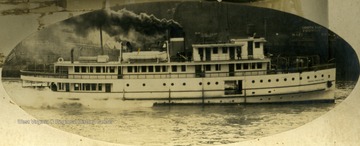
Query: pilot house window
[
  {"x": 215, "y": 50},
  {"x": 257, "y": 44},
  {"x": 224, "y": 50}
]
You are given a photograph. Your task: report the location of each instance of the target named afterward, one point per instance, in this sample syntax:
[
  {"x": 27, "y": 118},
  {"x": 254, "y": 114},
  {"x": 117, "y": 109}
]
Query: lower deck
[{"x": 260, "y": 88}]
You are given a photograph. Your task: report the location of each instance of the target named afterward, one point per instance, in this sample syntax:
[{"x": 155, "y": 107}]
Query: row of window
[
  {"x": 293, "y": 79},
  {"x": 217, "y": 67},
  {"x": 88, "y": 87},
  {"x": 172, "y": 84},
  {"x": 174, "y": 68},
  {"x": 215, "y": 50},
  {"x": 245, "y": 66},
  {"x": 97, "y": 69}
]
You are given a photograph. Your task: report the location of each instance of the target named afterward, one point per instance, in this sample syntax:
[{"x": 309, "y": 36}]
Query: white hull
[{"x": 272, "y": 89}]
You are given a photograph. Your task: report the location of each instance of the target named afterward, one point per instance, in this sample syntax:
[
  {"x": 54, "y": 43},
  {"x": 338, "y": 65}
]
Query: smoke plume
[{"x": 125, "y": 25}]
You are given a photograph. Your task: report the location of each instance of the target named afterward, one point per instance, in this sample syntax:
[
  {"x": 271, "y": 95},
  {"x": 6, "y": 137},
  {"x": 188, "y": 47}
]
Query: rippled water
[{"x": 184, "y": 125}]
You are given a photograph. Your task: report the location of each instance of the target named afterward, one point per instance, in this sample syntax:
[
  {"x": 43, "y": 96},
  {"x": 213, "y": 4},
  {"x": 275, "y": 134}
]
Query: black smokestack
[
  {"x": 72, "y": 55},
  {"x": 101, "y": 41}
]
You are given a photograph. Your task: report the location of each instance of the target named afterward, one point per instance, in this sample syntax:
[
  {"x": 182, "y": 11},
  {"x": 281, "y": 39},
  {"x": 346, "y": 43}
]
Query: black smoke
[{"x": 125, "y": 25}]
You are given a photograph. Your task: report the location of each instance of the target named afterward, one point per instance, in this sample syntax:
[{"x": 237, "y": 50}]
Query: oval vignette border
[{"x": 342, "y": 32}]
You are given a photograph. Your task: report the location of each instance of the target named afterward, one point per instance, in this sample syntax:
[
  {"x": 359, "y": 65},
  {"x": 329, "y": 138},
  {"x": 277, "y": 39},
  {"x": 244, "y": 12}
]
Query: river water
[{"x": 179, "y": 125}]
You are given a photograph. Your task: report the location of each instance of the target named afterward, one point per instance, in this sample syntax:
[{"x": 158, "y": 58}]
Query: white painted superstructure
[{"x": 233, "y": 72}]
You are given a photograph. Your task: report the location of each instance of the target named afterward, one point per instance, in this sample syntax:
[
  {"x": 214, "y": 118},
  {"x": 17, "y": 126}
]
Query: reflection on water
[{"x": 186, "y": 125}]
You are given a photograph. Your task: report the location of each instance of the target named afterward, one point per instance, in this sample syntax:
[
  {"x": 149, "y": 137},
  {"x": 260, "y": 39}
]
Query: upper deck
[{"x": 236, "y": 49}]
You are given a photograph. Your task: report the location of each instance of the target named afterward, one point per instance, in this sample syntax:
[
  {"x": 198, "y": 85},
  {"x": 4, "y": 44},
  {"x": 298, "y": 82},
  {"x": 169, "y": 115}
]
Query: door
[
  {"x": 201, "y": 54},
  {"x": 232, "y": 53},
  {"x": 208, "y": 54},
  {"x": 240, "y": 87},
  {"x": 119, "y": 72},
  {"x": 198, "y": 71},
  {"x": 67, "y": 87},
  {"x": 250, "y": 49},
  {"x": 107, "y": 87},
  {"x": 231, "y": 70}
]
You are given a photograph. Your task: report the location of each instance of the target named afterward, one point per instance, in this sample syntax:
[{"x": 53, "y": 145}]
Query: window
[
  {"x": 246, "y": 66},
  {"x": 164, "y": 69},
  {"x": 100, "y": 87},
  {"x": 129, "y": 69},
  {"x": 174, "y": 68},
  {"x": 183, "y": 68},
  {"x": 252, "y": 65},
  {"x": 91, "y": 69},
  {"x": 269, "y": 80},
  {"x": 217, "y": 67},
  {"x": 207, "y": 67},
  {"x": 259, "y": 65},
  {"x": 151, "y": 69},
  {"x": 157, "y": 68},
  {"x": 83, "y": 69},
  {"x": 76, "y": 87},
  {"x": 98, "y": 69},
  {"x": 87, "y": 87},
  {"x": 257, "y": 44},
  {"x": 215, "y": 50},
  {"x": 93, "y": 87},
  {"x": 224, "y": 50},
  {"x": 111, "y": 69},
  {"x": 104, "y": 69},
  {"x": 143, "y": 68},
  {"x": 238, "y": 66},
  {"x": 61, "y": 86},
  {"x": 136, "y": 69},
  {"x": 77, "y": 69}
]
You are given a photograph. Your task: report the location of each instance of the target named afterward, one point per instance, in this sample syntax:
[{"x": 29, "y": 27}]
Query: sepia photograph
[{"x": 174, "y": 72}]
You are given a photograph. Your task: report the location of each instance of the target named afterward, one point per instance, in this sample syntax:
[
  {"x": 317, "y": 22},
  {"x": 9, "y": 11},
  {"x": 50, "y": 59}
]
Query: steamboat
[{"x": 237, "y": 71}]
